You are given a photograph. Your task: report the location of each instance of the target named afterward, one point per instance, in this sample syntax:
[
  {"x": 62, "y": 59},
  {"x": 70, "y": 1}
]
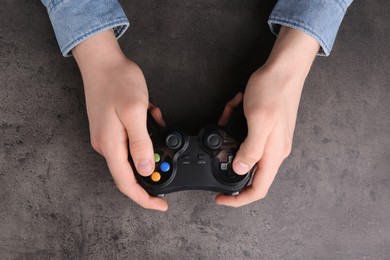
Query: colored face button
[
  {"x": 164, "y": 167},
  {"x": 155, "y": 176},
  {"x": 157, "y": 158}
]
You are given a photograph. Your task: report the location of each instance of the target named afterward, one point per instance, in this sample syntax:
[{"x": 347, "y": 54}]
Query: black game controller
[{"x": 186, "y": 162}]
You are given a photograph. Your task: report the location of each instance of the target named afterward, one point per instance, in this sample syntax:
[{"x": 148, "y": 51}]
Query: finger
[
  {"x": 251, "y": 150},
  {"x": 117, "y": 160},
  {"x": 157, "y": 115},
  {"x": 229, "y": 108},
  {"x": 141, "y": 148},
  {"x": 262, "y": 180}
]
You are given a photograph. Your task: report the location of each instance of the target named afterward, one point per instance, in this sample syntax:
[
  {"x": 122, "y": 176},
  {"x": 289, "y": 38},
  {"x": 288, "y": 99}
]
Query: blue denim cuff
[
  {"x": 320, "y": 19},
  {"x": 75, "y": 20}
]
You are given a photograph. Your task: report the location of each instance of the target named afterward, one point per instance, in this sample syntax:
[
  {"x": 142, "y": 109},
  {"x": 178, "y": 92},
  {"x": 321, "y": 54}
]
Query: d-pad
[{"x": 227, "y": 166}]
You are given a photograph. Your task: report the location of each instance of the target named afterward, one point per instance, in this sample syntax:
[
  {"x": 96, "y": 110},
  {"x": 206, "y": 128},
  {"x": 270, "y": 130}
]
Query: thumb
[
  {"x": 252, "y": 149},
  {"x": 141, "y": 148}
]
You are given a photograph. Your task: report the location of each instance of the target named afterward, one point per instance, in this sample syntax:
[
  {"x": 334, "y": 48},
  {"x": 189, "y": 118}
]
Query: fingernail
[
  {"x": 145, "y": 166},
  {"x": 241, "y": 168}
]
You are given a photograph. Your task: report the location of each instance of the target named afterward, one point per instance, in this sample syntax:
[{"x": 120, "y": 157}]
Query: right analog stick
[
  {"x": 173, "y": 141},
  {"x": 213, "y": 141}
]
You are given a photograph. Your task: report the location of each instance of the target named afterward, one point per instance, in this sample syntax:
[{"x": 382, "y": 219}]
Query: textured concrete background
[{"x": 330, "y": 200}]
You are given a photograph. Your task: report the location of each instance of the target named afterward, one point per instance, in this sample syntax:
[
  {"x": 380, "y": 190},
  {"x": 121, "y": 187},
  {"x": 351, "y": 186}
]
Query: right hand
[
  {"x": 117, "y": 103},
  {"x": 270, "y": 105}
]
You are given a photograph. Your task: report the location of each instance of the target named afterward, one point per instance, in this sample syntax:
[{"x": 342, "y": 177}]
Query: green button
[{"x": 156, "y": 158}]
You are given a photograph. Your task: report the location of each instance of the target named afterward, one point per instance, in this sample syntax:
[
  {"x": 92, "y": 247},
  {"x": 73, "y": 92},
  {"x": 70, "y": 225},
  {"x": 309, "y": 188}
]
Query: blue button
[{"x": 164, "y": 167}]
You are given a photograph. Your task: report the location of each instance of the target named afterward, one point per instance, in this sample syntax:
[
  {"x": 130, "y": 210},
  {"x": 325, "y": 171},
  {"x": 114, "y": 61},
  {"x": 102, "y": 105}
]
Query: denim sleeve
[
  {"x": 319, "y": 18},
  {"x": 75, "y": 20}
]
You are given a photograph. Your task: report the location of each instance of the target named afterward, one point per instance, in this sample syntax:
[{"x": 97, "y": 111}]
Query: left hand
[{"x": 271, "y": 103}]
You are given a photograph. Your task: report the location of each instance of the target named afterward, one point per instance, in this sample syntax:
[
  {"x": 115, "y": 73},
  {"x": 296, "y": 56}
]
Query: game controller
[{"x": 192, "y": 162}]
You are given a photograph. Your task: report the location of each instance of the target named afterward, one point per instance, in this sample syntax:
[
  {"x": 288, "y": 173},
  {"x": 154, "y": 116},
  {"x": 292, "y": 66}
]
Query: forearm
[
  {"x": 97, "y": 55},
  {"x": 293, "y": 54}
]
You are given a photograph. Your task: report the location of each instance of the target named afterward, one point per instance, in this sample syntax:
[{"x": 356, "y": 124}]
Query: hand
[
  {"x": 117, "y": 102},
  {"x": 271, "y": 102}
]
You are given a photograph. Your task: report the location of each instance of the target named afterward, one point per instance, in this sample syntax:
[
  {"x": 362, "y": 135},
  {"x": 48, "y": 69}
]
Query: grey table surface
[{"x": 330, "y": 200}]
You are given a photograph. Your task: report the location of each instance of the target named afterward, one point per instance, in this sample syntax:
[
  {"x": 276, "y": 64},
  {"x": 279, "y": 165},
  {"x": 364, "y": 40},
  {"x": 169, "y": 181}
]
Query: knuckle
[
  {"x": 145, "y": 205},
  {"x": 228, "y": 109},
  {"x": 139, "y": 104},
  {"x": 252, "y": 153},
  {"x": 155, "y": 111},
  {"x": 286, "y": 151},
  {"x": 95, "y": 145},
  {"x": 98, "y": 144},
  {"x": 133, "y": 109},
  {"x": 281, "y": 151},
  {"x": 139, "y": 145},
  {"x": 255, "y": 112}
]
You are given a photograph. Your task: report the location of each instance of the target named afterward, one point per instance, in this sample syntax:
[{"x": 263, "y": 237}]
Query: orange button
[{"x": 156, "y": 176}]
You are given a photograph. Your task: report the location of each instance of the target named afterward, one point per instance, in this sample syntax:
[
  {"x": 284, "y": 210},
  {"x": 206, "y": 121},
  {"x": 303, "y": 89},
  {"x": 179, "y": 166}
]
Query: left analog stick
[{"x": 173, "y": 141}]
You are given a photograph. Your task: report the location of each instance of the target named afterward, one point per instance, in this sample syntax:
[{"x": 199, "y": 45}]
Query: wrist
[
  {"x": 293, "y": 54},
  {"x": 98, "y": 55}
]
